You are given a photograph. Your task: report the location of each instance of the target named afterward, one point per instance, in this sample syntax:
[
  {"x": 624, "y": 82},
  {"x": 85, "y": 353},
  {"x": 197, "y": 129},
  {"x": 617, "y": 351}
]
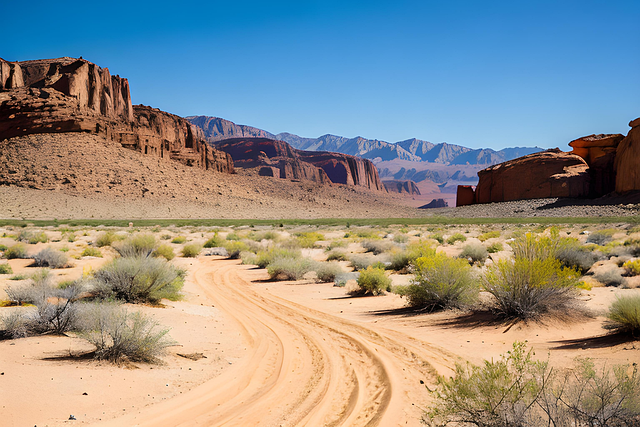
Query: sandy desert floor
[{"x": 278, "y": 353}]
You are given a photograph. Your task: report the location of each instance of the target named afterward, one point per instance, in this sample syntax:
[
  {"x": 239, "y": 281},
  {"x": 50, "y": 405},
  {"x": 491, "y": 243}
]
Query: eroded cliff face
[
  {"x": 74, "y": 95},
  {"x": 627, "y": 162},
  {"x": 401, "y": 186},
  {"x": 279, "y": 159}
]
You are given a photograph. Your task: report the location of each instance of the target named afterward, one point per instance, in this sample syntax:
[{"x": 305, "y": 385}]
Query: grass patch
[
  {"x": 19, "y": 250},
  {"x": 624, "y": 316},
  {"x": 179, "y": 240},
  {"x": 95, "y": 252}
]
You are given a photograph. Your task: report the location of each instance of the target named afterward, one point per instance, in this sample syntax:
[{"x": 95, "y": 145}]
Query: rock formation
[
  {"x": 435, "y": 203},
  {"x": 627, "y": 162},
  {"x": 216, "y": 129},
  {"x": 466, "y": 195},
  {"x": 551, "y": 173},
  {"x": 599, "y": 151},
  {"x": 74, "y": 95},
  {"x": 398, "y": 186},
  {"x": 277, "y": 158}
]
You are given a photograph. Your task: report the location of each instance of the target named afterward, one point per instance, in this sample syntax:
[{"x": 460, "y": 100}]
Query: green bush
[
  {"x": 601, "y": 237},
  {"x": 367, "y": 234},
  {"x": 5, "y": 269},
  {"x": 233, "y": 236},
  {"x": 191, "y": 250},
  {"x": 372, "y": 281},
  {"x": 336, "y": 256},
  {"x": 437, "y": 237},
  {"x": 308, "y": 239},
  {"x": 32, "y": 237},
  {"x": 489, "y": 235},
  {"x": 457, "y": 237},
  {"x": 264, "y": 258},
  {"x": 138, "y": 245},
  {"x": 106, "y": 239},
  {"x": 633, "y": 267},
  {"x": 248, "y": 258},
  {"x": 361, "y": 261},
  {"x": 49, "y": 257},
  {"x": 234, "y": 248},
  {"x": 165, "y": 237},
  {"x": 119, "y": 335},
  {"x": 337, "y": 244},
  {"x": 139, "y": 279},
  {"x": 400, "y": 260},
  {"x": 165, "y": 251},
  {"x": 401, "y": 238},
  {"x": 259, "y": 236},
  {"x": 474, "y": 252},
  {"x": 18, "y": 250},
  {"x": 441, "y": 282},
  {"x": 287, "y": 268},
  {"x": 179, "y": 240},
  {"x": 624, "y": 315},
  {"x": 327, "y": 271},
  {"x": 214, "y": 242},
  {"x": 3, "y": 248},
  {"x": 92, "y": 252},
  {"x": 495, "y": 247}
]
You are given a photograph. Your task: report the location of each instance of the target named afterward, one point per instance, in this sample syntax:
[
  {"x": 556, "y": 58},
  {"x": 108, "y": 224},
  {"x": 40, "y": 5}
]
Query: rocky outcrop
[
  {"x": 402, "y": 187},
  {"x": 599, "y": 151},
  {"x": 551, "y": 173},
  {"x": 216, "y": 129},
  {"x": 277, "y": 158},
  {"x": 466, "y": 195},
  {"x": 627, "y": 161},
  {"x": 435, "y": 203},
  {"x": 73, "y": 95}
]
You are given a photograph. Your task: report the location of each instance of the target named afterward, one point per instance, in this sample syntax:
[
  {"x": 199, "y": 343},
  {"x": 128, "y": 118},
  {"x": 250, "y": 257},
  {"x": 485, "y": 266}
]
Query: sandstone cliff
[
  {"x": 74, "y": 95},
  {"x": 627, "y": 162},
  {"x": 399, "y": 186},
  {"x": 277, "y": 158}
]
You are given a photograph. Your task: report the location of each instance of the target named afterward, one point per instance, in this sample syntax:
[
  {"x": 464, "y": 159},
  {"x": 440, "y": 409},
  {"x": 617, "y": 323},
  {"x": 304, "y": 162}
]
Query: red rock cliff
[
  {"x": 627, "y": 161},
  {"x": 74, "y": 95}
]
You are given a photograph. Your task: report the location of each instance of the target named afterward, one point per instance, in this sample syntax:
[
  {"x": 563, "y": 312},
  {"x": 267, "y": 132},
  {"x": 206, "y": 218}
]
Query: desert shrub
[
  {"x": 119, "y": 335},
  {"x": 601, "y": 237},
  {"x": 342, "y": 278},
  {"x": 489, "y": 235},
  {"x": 32, "y": 237},
  {"x": 367, "y": 234},
  {"x": 495, "y": 247},
  {"x": 179, "y": 240},
  {"x": 308, "y": 239},
  {"x": 139, "y": 279},
  {"x": 624, "y": 315},
  {"x": 610, "y": 277},
  {"x": 138, "y": 245},
  {"x": 165, "y": 237},
  {"x": 400, "y": 260},
  {"x": 437, "y": 237},
  {"x": 49, "y": 257},
  {"x": 106, "y": 239},
  {"x": 474, "y": 252},
  {"x": 5, "y": 269},
  {"x": 214, "y": 242},
  {"x": 440, "y": 282},
  {"x": 362, "y": 261},
  {"x": 534, "y": 283},
  {"x": 165, "y": 251},
  {"x": 16, "y": 251},
  {"x": 576, "y": 257},
  {"x": 336, "y": 256},
  {"x": 633, "y": 267},
  {"x": 264, "y": 258},
  {"x": 401, "y": 238},
  {"x": 71, "y": 237},
  {"x": 259, "y": 236},
  {"x": 234, "y": 248},
  {"x": 92, "y": 252},
  {"x": 377, "y": 246},
  {"x": 248, "y": 258},
  {"x": 327, "y": 271},
  {"x": 19, "y": 277},
  {"x": 372, "y": 281},
  {"x": 3, "y": 248},
  {"x": 337, "y": 244},
  {"x": 191, "y": 250},
  {"x": 233, "y": 236},
  {"x": 288, "y": 268},
  {"x": 457, "y": 237}
]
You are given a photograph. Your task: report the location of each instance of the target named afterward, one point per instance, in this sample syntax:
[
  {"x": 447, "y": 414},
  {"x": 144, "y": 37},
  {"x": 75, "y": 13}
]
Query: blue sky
[{"x": 475, "y": 73}]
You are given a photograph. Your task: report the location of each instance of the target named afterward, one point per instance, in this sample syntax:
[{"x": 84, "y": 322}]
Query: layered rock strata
[
  {"x": 73, "y": 95},
  {"x": 627, "y": 162},
  {"x": 401, "y": 186}
]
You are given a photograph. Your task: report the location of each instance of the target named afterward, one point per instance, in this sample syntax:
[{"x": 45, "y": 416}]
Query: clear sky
[{"x": 475, "y": 73}]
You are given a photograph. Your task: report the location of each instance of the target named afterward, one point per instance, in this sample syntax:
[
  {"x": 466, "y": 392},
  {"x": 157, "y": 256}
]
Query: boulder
[
  {"x": 466, "y": 195},
  {"x": 627, "y": 161},
  {"x": 401, "y": 186},
  {"x": 550, "y": 173},
  {"x": 435, "y": 203}
]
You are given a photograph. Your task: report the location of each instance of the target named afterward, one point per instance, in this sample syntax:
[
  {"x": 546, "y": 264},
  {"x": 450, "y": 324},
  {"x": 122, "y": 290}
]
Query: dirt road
[{"x": 303, "y": 367}]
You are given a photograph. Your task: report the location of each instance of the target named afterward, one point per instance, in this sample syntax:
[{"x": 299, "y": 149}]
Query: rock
[
  {"x": 435, "y": 203},
  {"x": 628, "y": 160},
  {"x": 550, "y": 173},
  {"x": 345, "y": 169},
  {"x": 216, "y": 129},
  {"x": 73, "y": 95},
  {"x": 401, "y": 186},
  {"x": 599, "y": 151},
  {"x": 466, "y": 195}
]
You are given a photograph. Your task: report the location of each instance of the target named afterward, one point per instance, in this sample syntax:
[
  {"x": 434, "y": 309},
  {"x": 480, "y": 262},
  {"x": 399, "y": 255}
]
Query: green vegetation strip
[{"x": 439, "y": 220}]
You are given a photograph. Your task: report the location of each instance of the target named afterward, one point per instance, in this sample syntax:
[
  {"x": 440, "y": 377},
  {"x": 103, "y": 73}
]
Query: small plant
[
  {"x": 32, "y": 237},
  {"x": 372, "y": 281},
  {"x": 179, "y": 240},
  {"x": 367, "y": 234},
  {"x": 489, "y": 235},
  {"x": 5, "y": 269},
  {"x": 233, "y": 236},
  {"x": 3, "y": 248},
  {"x": 308, "y": 239},
  {"x": 437, "y": 237},
  {"x": 633, "y": 267},
  {"x": 119, "y": 335},
  {"x": 624, "y": 316},
  {"x": 264, "y": 235},
  {"x": 610, "y": 277},
  {"x": 441, "y": 282},
  {"x": 457, "y": 237},
  {"x": 401, "y": 238},
  {"x": 327, "y": 271},
  {"x": 601, "y": 237},
  {"x": 264, "y": 258},
  {"x": 337, "y": 244},
  {"x": 336, "y": 255},
  {"x": 248, "y": 258},
  {"x": 106, "y": 239},
  {"x": 165, "y": 237},
  {"x": 287, "y": 268},
  {"x": 19, "y": 277},
  {"x": 376, "y": 246},
  {"x": 49, "y": 257},
  {"x": 138, "y": 245},
  {"x": 214, "y": 242},
  {"x": 95, "y": 252},
  {"x": 495, "y": 248},
  {"x": 191, "y": 250},
  {"x": 165, "y": 251},
  {"x": 361, "y": 261},
  {"x": 71, "y": 237},
  {"x": 235, "y": 247},
  {"x": 139, "y": 279},
  {"x": 18, "y": 250},
  {"x": 474, "y": 252},
  {"x": 342, "y": 278}
]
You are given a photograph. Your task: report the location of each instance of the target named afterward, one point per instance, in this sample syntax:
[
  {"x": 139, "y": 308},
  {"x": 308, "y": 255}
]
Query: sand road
[{"x": 303, "y": 366}]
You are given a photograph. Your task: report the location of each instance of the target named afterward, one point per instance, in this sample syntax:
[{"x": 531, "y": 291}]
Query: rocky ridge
[{"x": 402, "y": 187}]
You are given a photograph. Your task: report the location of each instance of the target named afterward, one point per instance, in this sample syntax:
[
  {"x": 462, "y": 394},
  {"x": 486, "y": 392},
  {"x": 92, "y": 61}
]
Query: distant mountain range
[{"x": 415, "y": 150}]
